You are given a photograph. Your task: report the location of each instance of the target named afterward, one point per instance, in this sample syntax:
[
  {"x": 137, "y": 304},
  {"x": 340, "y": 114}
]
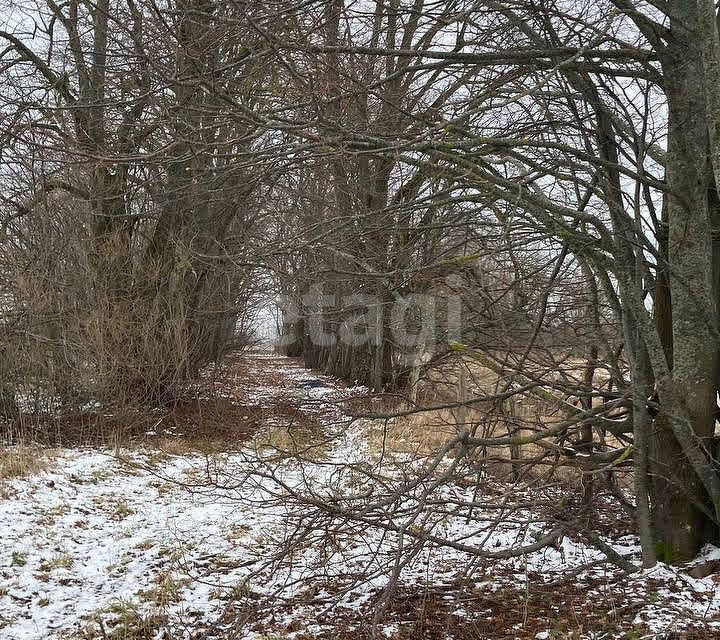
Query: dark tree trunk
[{"x": 683, "y": 475}]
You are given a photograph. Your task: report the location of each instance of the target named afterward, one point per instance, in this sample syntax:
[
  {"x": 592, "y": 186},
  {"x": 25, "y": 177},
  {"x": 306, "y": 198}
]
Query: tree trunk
[{"x": 684, "y": 429}]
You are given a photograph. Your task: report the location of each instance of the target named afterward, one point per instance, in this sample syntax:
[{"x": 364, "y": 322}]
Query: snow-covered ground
[{"x": 152, "y": 545}]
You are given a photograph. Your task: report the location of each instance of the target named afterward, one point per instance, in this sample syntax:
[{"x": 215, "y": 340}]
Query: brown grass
[
  {"x": 199, "y": 423},
  {"x": 23, "y": 460},
  {"x": 462, "y": 379}
]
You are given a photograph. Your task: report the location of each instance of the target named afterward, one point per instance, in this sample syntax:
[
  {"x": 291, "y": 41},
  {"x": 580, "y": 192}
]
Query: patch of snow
[{"x": 183, "y": 535}]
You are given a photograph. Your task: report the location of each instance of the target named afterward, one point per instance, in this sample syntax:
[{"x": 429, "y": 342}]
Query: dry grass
[
  {"x": 305, "y": 441},
  {"x": 204, "y": 425},
  {"x": 463, "y": 379},
  {"x": 23, "y": 460},
  {"x": 421, "y": 434}
]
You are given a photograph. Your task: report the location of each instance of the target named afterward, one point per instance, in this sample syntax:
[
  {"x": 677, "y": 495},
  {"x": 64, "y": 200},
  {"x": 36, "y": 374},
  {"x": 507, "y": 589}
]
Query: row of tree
[
  {"x": 552, "y": 165},
  {"x": 126, "y": 185}
]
